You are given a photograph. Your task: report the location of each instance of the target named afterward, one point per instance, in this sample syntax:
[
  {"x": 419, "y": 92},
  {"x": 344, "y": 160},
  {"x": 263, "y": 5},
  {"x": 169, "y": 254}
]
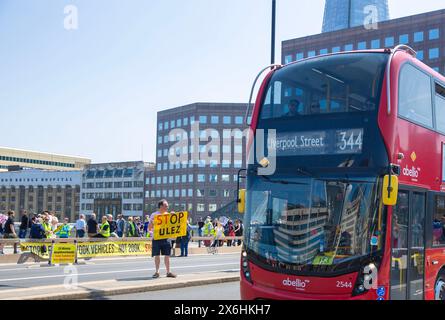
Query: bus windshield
[
  {"x": 341, "y": 83},
  {"x": 313, "y": 225}
]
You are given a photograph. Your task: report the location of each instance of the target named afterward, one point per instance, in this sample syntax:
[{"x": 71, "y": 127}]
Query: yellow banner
[
  {"x": 171, "y": 225},
  {"x": 63, "y": 253},
  {"x": 93, "y": 249}
]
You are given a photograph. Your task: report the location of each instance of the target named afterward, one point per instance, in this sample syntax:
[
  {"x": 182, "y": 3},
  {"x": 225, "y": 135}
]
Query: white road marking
[{"x": 120, "y": 271}]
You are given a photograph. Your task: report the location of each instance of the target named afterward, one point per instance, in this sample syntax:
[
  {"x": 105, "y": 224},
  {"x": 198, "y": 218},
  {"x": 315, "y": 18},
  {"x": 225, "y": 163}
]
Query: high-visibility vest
[
  {"x": 64, "y": 231},
  {"x": 105, "y": 233},
  {"x": 209, "y": 230},
  {"x": 132, "y": 229},
  {"x": 47, "y": 228}
]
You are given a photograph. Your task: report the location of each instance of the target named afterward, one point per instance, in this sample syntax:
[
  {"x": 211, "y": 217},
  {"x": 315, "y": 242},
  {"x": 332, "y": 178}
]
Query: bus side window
[{"x": 439, "y": 221}]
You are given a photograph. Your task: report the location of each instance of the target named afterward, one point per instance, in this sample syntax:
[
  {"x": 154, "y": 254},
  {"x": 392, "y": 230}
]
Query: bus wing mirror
[
  {"x": 390, "y": 190},
  {"x": 242, "y": 201}
]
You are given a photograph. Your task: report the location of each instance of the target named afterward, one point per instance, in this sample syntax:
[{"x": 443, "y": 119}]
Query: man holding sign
[{"x": 160, "y": 246}]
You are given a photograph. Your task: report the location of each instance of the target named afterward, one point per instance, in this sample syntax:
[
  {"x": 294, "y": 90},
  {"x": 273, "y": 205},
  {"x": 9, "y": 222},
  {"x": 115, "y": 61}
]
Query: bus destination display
[{"x": 328, "y": 142}]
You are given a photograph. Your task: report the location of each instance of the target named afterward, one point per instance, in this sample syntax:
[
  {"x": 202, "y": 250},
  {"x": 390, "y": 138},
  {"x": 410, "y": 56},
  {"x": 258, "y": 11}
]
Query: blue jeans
[
  {"x": 185, "y": 247},
  {"x": 22, "y": 233},
  {"x": 80, "y": 233},
  {"x": 120, "y": 234}
]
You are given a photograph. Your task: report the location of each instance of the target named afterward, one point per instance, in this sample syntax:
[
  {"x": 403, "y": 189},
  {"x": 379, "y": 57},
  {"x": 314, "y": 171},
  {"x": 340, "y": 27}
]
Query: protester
[
  {"x": 113, "y": 225},
  {"x": 146, "y": 223},
  {"x": 81, "y": 226},
  {"x": 3, "y": 219},
  {"x": 120, "y": 226},
  {"x": 219, "y": 235},
  {"x": 208, "y": 231},
  {"x": 9, "y": 230},
  {"x": 200, "y": 226},
  {"x": 65, "y": 230},
  {"x": 92, "y": 226},
  {"x": 46, "y": 225},
  {"x": 184, "y": 241},
  {"x": 37, "y": 230},
  {"x": 104, "y": 231},
  {"x": 23, "y": 230},
  {"x": 132, "y": 230},
  {"x": 161, "y": 246},
  {"x": 238, "y": 230},
  {"x": 54, "y": 224},
  {"x": 229, "y": 231}
]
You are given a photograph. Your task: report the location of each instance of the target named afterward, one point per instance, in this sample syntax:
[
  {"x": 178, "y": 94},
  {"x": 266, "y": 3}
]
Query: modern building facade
[
  {"x": 114, "y": 188},
  {"x": 424, "y": 32},
  {"x": 200, "y": 149},
  {"x": 39, "y": 160},
  {"x": 343, "y": 14},
  {"x": 38, "y": 190}
]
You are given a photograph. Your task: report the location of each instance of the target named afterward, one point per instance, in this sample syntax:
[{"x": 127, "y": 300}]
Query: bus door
[{"x": 408, "y": 246}]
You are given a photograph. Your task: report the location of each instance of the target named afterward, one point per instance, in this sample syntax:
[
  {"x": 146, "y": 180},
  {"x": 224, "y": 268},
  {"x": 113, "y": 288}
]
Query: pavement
[{"x": 114, "y": 276}]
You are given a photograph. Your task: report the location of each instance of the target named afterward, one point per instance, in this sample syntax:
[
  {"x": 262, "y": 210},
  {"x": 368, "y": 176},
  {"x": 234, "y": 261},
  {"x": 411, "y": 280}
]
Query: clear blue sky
[{"x": 95, "y": 91}]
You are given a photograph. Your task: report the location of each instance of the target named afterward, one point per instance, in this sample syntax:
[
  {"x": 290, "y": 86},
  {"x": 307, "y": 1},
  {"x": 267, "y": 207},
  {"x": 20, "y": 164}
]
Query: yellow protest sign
[
  {"x": 91, "y": 249},
  {"x": 63, "y": 253},
  {"x": 171, "y": 225},
  {"x": 113, "y": 249}
]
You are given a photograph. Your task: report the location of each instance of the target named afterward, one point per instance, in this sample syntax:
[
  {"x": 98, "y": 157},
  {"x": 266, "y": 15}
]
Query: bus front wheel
[{"x": 439, "y": 290}]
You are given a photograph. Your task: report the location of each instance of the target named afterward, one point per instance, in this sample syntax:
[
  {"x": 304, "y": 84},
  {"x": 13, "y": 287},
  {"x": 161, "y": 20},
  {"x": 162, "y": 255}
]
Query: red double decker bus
[{"x": 354, "y": 204}]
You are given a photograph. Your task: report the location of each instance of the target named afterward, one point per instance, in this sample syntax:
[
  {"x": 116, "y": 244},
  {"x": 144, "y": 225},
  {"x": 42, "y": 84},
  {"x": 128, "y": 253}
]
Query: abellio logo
[
  {"x": 413, "y": 172},
  {"x": 297, "y": 283}
]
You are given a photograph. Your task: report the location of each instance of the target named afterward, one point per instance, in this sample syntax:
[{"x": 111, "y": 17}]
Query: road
[
  {"x": 28, "y": 276},
  {"x": 221, "y": 291}
]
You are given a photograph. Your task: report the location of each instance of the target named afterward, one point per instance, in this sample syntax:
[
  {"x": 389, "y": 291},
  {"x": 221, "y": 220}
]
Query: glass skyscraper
[{"x": 343, "y": 14}]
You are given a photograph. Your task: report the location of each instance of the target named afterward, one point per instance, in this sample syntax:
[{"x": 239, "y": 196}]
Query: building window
[
  {"x": 287, "y": 59},
  {"x": 389, "y": 42},
  {"x": 434, "y": 34},
  {"x": 227, "y": 120},
  {"x": 160, "y": 126},
  {"x": 300, "y": 55},
  {"x": 214, "y": 119},
  {"x": 190, "y": 178},
  {"x": 200, "y": 193},
  {"x": 213, "y": 178},
  {"x": 203, "y": 119},
  {"x": 225, "y": 178},
  {"x": 172, "y": 124},
  {"x": 238, "y": 163},
  {"x": 323, "y": 51},
  {"x": 239, "y": 120},
  {"x": 349, "y": 47},
  {"x": 404, "y": 39},
  {"x": 213, "y": 193},
  {"x": 166, "y": 125},
  {"x": 361, "y": 45},
  {"x": 226, "y": 193},
  {"x": 201, "y": 178},
  {"x": 186, "y": 121},
  {"x": 311, "y": 54},
  {"x": 335, "y": 49},
  {"x": 212, "y": 207},
  {"x": 434, "y": 53},
  {"x": 420, "y": 55},
  {"x": 418, "y": 36},
  {"x": 179, "y": 123},
  {"x": 200, "y": 207},
  {"x": 375, "y": 44}
]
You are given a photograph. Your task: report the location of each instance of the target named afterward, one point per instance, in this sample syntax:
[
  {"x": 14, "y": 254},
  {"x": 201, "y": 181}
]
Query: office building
[
  {"x": 114, "y": 188},
  {"x": 343, "y": 14},
  {"x": 38, "y": 190},
  {"x": 39, "y": 160},
  {"x": 424, "y": 32},
  {"x": 200, "y": 149}
]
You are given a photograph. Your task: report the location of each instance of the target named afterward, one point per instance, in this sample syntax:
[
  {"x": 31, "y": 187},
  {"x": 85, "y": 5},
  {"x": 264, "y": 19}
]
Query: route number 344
[{"x": 350, "y": 140}]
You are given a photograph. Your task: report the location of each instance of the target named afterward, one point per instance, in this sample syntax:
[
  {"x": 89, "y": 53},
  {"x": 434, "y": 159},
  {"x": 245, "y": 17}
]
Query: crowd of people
[{"x": 46, "y": 225}]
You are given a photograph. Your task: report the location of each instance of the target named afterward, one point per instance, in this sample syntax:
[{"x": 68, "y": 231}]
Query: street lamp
[{"x": 274, "y": 9}]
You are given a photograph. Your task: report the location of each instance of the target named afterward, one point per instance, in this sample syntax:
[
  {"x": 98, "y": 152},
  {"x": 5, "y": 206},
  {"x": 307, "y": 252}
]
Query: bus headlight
[{"x": 245, "y": 266}]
